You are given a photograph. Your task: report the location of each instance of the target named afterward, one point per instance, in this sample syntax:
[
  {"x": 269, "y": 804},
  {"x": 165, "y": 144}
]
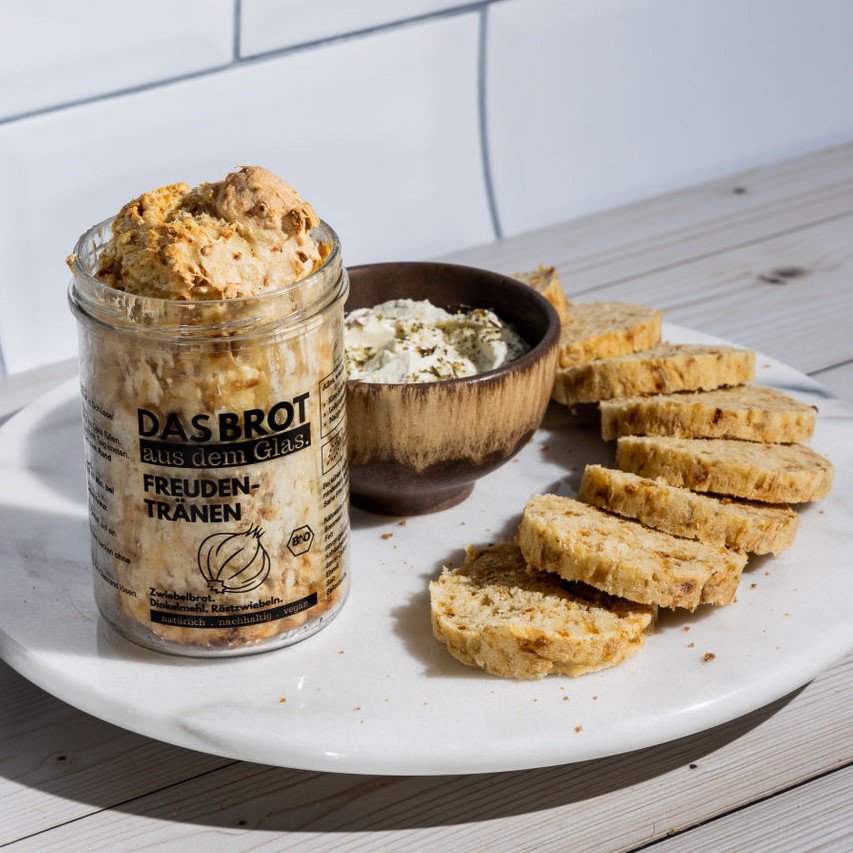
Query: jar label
[{"x": 219, "y": 521}]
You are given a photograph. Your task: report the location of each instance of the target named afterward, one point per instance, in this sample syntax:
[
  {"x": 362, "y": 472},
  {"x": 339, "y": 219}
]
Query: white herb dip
[{"x": 405, "y": 340}]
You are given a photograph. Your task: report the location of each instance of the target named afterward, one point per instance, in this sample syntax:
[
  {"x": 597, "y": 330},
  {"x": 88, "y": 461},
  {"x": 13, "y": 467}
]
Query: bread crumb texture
[
  {"x": 603, "y": 329},
  {"x": 496, "y": 614},
  {"x": 744, "y": 526},
  {"x": 665, "y": 369},
  {"x": 773, "y": 473},
  {"x": 624, "y": 558},
  {"x": 749, "y": 412}
]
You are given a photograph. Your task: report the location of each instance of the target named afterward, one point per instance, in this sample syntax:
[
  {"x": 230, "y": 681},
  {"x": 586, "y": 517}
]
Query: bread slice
[
  {"x": 749, "y": 412},
  {"x": 661, "y": 370},
  {"x": 755, "y": 528},
  {"x": 545, "y": 280},
  {"x": 497, "y": 615},
  {"x": 620, "y": 557},
  {"x": 604, "y": 329},
  {"x": 773, "y": 473}
]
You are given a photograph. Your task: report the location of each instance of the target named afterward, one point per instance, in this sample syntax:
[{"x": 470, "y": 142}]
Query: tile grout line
[
  {"x": 238, "y": 29},
  {"x": 483, "y": 120},
  {"x": 772, "y": 795},
  {"x": 240, "y": 61}
]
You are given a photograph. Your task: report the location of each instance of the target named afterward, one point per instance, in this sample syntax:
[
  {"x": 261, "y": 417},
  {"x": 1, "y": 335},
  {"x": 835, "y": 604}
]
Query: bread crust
[
  {"x": 604, "y": 329},
  {"x": 743, "y": 526},
  {"x": 495, "y": 614},
  {"x": 772, "y": 473},
  {"x": 545, "y": 280},
  {"x": 661, "y": 370},
  {"x": 621, "y": 557},
  {"x": 748, "y": 412}
]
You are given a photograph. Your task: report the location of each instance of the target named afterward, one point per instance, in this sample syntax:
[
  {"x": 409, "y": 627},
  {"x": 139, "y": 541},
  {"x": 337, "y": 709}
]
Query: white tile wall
[
  {"x": 593, "y": 103},
  {"x": 380, "y": 133},
  {"x": 52, "y": 52},
  {"x": 273, "y": 24},
  {"x": 590, "y": 103}
]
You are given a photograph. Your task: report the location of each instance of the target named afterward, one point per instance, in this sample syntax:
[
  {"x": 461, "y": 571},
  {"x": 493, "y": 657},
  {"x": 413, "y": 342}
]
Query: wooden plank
[
  {"x": 787, "y": 296},
  {"x": 57, "y": 763},
  {"x": 610, "y": 804},
  {"x": 817, "y": 816},
  {"x": 838, "y": 379},
  {"x": 680, "y": 226}
]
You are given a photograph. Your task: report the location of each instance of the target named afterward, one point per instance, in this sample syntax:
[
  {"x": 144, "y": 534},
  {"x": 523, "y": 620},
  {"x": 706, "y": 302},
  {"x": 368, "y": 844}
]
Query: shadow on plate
[
  {"x": 101, "y": 767},
  {"x": 54, "y": 451}
]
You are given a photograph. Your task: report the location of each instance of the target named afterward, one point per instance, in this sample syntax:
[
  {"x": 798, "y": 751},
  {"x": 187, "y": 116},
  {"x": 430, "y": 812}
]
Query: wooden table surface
[{"x": 764, "y": 258}]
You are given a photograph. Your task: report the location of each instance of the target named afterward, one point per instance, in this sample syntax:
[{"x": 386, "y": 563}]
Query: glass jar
[{"x": 215, "y": 441}]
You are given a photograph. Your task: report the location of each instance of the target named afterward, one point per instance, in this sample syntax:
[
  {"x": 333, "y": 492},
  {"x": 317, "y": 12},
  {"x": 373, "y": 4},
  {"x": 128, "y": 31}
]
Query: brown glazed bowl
[{"x": 419, "y": 447}]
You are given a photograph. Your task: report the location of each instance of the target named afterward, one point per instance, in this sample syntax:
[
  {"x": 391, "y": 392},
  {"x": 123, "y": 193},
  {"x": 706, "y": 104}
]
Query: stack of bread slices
[{"x": 706, "y": 467}]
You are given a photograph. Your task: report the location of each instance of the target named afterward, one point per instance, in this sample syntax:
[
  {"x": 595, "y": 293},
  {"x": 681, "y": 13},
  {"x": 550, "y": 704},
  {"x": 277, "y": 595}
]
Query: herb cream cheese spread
[{"x": 405, "y": 340}]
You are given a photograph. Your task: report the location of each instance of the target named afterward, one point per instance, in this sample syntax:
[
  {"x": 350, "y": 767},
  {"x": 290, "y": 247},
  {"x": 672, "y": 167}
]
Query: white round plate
[{"x": 374, "y": 692}]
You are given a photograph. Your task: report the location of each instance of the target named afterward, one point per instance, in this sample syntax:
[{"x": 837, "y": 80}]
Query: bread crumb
[
  {"x": 357, "y": 708},
  {"x": 686, "y": 628},
  {"x": 708, "y": 657},
  {"x": 595, "y": 698},
  {"x": 282, "y": 699},
  {"x": 341, "y": 652},
  {"x": 578, "y": 729},
  {"x": 386, "y": 536},
  {"x": 565, "y": 698},
  {"x": 402, "y": 522},
  {"x": 753, "y": 586},
  {"x": 690, "y": 645}
]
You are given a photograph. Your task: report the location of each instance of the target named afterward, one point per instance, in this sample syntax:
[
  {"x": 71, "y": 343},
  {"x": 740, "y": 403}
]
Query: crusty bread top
[
  {"x": 603, "y": 329},
  {"x": 243, "y": 235},
  {"x": 751, "y": 412}
]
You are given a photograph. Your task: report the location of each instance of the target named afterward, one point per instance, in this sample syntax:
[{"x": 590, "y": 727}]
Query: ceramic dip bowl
[{"x": 419, "y": 447}]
